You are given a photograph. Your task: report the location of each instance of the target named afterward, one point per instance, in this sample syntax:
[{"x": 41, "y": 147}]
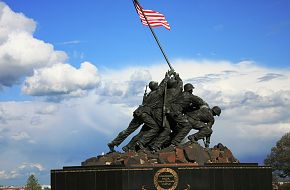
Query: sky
[{"x": 72, "y": 73}]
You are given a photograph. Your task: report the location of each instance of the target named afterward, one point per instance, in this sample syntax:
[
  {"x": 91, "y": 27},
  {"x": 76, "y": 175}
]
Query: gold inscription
[{"x": 166, "y": 179}]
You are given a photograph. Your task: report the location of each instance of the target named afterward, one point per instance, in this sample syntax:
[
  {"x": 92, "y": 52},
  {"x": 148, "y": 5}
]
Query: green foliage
[
  {"x": 279, "y": 158},
  {"x": 32, "y": 183},
  {"x": 46, "y": 188}
]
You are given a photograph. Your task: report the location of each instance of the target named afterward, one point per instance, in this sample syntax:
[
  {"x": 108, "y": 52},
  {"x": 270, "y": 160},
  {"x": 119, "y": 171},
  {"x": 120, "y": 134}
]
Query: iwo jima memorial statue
[{"x": 159, "y": 157}]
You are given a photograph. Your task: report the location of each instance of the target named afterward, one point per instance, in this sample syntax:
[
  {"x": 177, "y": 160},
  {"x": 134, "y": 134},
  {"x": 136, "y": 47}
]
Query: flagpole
[
  {"x": 153, "y": 33},
  {"x": 156, "y": 39}
]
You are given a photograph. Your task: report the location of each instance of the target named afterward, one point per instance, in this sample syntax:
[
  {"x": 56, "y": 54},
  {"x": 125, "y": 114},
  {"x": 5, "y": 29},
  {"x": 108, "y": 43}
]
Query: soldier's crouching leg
[
  {"x": 153, "y": 129},
  {"x": 183, "y": 128},
  {"x": 131, "y": 145},
  {"x": 181, "y": 135},
  {"x": 161, "y": 139},
  {"x": 202, "y": 133},
  {"x": 134, "y": 124}
]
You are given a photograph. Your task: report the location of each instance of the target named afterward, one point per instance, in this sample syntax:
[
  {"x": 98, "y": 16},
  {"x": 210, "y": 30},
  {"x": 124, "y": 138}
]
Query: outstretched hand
[
  {"x": 206, "y": 144},
  {"x": 167, "y": 75},
  {"x": 171, "y": 72}
]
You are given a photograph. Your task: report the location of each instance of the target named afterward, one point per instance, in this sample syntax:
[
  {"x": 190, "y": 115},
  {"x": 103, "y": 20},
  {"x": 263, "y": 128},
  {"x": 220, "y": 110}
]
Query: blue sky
[
  {"x": 71, "y": 73},
  {"x": 234, "y": 30}
]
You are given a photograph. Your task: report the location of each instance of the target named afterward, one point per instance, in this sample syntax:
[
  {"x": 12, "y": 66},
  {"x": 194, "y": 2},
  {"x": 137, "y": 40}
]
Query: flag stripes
[{"x": 155, "y": 19}]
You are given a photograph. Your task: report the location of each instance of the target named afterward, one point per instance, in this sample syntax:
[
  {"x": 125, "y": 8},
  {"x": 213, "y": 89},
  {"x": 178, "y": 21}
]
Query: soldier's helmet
[
  {"x": 153, "y": 85},
  {"x": 171, "y": 83},
  {"x": 188, "y": 87},
  {"x": 217, "y": 110}
]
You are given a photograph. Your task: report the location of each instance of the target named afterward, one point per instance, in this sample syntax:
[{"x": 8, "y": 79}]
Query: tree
[
  {"x": 279, "y": 158},
  {"x": 32, "y": 183}
]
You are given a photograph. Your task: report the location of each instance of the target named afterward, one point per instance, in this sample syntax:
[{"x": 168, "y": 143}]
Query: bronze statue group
[{"x": 167, "y": 114}]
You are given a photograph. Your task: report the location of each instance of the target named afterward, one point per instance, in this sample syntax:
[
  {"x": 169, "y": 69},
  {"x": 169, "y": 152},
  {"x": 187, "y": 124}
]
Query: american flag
[{"x": 154, "y": 18}]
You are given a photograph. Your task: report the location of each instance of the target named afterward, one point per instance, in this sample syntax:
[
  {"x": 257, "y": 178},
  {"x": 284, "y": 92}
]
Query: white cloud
[
  {"x": 13, "y": 22},
  {"x": 62, "y": 79},
  {"x": 20, "y": 136},
  {"x": 255, "y": 113},
  {"x": 2, "y": 115},
  {"x": 20, "y": 52},
  {"x": 29, "y": 166},
  {"x": 24, "y": 170},
  {"x": 71, "y": 42},
  {"x": 137, "y": 82},
  {"x": 124, "y": 86},
  {"x": 269, "y": 76},
  {"x": 254, "y": 100},
  {"x": 236, "y": 87},
  {"x": 6, "y": 115},
  {"x": 49, "y": 109},
  {"x": 22, "y": 55},
  {"x": 8, "y": 175}
]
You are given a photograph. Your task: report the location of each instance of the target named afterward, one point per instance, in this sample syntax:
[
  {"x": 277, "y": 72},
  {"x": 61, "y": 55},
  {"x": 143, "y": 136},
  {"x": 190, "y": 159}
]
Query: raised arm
[{"x": 179, "y": 81}]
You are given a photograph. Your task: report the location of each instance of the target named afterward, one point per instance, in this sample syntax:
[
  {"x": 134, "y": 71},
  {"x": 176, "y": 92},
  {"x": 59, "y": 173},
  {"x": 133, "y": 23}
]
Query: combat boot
[
  {"x": 125, "y": 149},
  {"x": 111, "y": 147},
  {"x": 128, "y": 148},
  {"x": 139, "y": 146},
  {"x": 192, "y": 138},
  {"x": 155, "y": 149}
]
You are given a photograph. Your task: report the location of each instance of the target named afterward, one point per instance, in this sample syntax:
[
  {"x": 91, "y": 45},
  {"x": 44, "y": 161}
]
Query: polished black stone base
[{"x": 164, "y": 177}]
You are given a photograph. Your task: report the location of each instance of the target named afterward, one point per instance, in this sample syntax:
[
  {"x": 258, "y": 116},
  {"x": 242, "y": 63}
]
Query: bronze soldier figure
[
  {"x": 168, "y": 114},
  {"x": 177, "y": 107},
  {"x": 143, "y": 114},
  {"x": 202, "y": 120},
  {"x": 174, "y": 90},
  {"x": 136, "y": 121},
  {"x": 156, "y": 113}
]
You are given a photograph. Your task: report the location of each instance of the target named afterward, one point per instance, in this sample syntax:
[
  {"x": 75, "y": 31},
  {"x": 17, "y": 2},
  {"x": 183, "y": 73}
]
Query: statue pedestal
[{"x": 164, "y": 177}]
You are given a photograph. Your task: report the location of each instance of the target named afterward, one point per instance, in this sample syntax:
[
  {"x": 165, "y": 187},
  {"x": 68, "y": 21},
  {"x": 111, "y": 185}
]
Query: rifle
[
  {"x": 164, "y": 108},
  {"x": 145, "y": 95}
]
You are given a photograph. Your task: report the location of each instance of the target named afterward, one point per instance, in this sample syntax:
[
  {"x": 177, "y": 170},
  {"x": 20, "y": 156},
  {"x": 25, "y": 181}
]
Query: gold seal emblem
[{"x": 166, "y": 179}]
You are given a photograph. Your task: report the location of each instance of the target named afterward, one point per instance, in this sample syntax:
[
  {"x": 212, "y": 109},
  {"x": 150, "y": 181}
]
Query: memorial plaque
[
  {"x": 170, "y": 177},
  {"x": 165, "y": 179}
]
